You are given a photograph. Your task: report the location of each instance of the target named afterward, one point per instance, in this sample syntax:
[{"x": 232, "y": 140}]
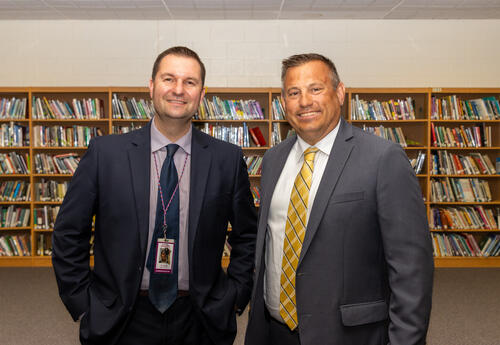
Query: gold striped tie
[{"x": 295, "y": 230}]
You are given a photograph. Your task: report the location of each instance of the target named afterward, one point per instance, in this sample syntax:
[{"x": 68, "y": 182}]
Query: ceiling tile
[
  {"x": 480, "y": 3},
  {"x": 213, "y": 15},
  {"x": 406, "y": 13},
  {"x": 60, "y": 4},
  {"x": 8, "y": 5},
  {"x": 119, "y": 4},
  {"x": 249, "y": 9},
  {"x": 90, "y": 5},
  {"x": 238, "y": 15},
  {"x": 358, "y": 2},
  {"x": 264, "y": 15},
  {"x": 181, "y": 14},
  {"x": 391, "y": 3},
  {"x": 297, "y": 4}
]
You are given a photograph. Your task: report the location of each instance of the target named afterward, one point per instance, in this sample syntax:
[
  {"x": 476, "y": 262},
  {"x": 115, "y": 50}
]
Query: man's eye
[
  {"x": 293, "y": 94},
  {"x": 317, "y": 89}
]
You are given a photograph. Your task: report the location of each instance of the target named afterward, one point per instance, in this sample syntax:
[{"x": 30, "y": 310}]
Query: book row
[
  {"x": 254, "y": 165},
  {"x": 417, "y": 163},
  {"x": 256, "y": 195},
  {"x": 44, "y": 244},
  {"x": 460, "y": 190},
  {"x": 278, "y": 109},
  {"x": 448, "y": 163},
  {"x": 130, "y": 108},
  {"x": 276, "y": 136},
  {"x": 126, "y": 129},
  {"x": 464, "y": 217},
  {"x": 14, "y": 163},
  {"x": 64, "y": 136},
  {"x": 465, "y": 245},
  {"x": 56, "y": 164},
  {"x": 13, "y": 108},
  {"x": 15, "y": 245},
  {"x": 453, "y": 108},
  {"x": 475, "y": 136},
  {"x": 393, "y": 109},
  {"x": 14, "y": 216},
  {"x": 238, "y": 135},
  {"x": 45, "y": 217},
  {"x": 226, "y": 252},
  {"x": 220, "y": 109},
  {"x": 82, "y": 109},
  {"x": 50, "y": 190},
  {"x": 14, "y": 135},
  {"x": 15, "y": 191},
  {"x": 390, "y": 133}
]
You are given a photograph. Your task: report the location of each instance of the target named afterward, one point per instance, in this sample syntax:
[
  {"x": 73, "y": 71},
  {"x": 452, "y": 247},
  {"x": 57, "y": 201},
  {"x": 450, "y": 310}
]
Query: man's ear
[
  {"x": 282, "y": 96},
  {"x": 340, "y": 93},
  {"x": 203, "y": 92},
  {"x": 151, "y": 88}
]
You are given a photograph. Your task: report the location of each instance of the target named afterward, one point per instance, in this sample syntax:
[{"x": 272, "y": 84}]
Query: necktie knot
[
  {"x": 310, "y": 153},
  {"x": 171, "y": 149}
]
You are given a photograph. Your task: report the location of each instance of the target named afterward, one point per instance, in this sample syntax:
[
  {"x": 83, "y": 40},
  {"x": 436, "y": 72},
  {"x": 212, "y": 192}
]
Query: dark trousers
[
  {"x": 280, "y": 334},
  {"x": 179, "y": 325}
]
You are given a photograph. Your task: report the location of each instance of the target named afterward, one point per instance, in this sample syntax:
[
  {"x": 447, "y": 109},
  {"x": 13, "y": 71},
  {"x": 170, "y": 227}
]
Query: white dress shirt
[{"x": 278, "y": 211}]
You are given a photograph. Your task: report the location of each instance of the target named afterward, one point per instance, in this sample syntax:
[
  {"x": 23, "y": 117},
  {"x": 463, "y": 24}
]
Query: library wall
[{"x": 368, "y": 53}]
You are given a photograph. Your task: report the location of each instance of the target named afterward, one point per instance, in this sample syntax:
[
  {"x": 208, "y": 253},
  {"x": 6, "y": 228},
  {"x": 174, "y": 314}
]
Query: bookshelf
[{"x": 416, "y": 116}]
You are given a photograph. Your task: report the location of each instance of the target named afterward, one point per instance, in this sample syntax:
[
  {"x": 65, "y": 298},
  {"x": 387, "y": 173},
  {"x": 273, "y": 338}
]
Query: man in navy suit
[{"x": 119, "y": 182}]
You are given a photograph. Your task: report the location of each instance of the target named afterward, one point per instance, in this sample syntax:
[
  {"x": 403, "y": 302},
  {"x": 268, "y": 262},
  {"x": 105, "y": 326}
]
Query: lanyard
[{"x": 165, "y": 209}]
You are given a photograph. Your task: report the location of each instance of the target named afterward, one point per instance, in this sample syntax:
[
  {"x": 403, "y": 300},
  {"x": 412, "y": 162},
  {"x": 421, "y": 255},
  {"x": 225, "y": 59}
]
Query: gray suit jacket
[{"x": 366, "y": 268}]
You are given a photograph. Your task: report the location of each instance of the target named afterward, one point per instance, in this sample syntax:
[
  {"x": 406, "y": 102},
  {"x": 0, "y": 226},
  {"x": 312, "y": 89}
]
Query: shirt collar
[
  {"x": 324, "y": 145},
  {"x": 159, "y": 141}
]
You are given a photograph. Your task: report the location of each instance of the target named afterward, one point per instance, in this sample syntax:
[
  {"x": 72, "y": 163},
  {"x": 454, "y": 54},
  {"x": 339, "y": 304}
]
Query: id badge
[{"x": 164, "y": 255}]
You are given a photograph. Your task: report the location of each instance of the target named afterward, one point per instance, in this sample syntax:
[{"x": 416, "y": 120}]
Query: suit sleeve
[
  {"x": 243, "y": 218},
  {"x": 71, "y": 236},
  {"x": 407, "y": 247}
]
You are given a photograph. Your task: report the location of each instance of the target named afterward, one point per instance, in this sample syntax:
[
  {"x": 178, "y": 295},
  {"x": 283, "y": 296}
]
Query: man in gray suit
[{"x": 344, "y": 254}]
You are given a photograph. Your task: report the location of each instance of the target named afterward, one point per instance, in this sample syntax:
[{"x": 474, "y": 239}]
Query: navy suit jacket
[
  {"x": 112, "y": 182},
  {"x": 364, "y": 275}
]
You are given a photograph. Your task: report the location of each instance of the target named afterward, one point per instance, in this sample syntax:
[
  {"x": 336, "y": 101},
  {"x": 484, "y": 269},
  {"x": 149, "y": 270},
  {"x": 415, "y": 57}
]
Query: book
[
  {"x": 259, "y": 136},
  {"x": 254, "y": 136}
]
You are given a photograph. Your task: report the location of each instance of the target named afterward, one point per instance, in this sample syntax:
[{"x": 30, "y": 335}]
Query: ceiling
[{"x": 248, "y": 9}]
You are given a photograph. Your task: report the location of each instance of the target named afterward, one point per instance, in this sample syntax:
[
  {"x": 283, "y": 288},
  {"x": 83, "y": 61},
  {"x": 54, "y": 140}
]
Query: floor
[{"x": 466, "y": 309}]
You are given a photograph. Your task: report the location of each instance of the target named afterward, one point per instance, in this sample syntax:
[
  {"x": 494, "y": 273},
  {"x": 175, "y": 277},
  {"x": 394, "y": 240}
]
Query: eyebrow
[{"x": 168, "y": 74}]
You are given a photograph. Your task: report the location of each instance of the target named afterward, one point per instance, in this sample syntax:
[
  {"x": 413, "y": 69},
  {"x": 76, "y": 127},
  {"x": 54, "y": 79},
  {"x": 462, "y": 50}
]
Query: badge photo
[{"x": 164, "y": 255}]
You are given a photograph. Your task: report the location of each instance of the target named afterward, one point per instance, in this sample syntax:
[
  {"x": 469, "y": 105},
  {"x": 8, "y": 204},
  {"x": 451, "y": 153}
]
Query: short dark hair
[
  {"x": 179, "y": 51},
  {"x": 300, "y": 59}
]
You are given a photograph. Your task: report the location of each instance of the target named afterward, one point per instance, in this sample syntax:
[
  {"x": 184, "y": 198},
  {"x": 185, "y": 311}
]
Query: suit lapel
[
  {"x": 336, "y": 161},
  {"x": 201, "y": 157},
  {"x": 140, "y": 169}
]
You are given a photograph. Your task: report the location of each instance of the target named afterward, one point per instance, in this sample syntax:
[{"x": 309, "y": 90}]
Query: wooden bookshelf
[
  {"x": 419, "y": 129},
  {"x": 112, "y": 119}
]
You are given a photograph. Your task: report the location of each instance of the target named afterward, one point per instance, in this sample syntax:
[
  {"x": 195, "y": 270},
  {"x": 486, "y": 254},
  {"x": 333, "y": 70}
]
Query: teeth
[{"x": 307, "y": 114}]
